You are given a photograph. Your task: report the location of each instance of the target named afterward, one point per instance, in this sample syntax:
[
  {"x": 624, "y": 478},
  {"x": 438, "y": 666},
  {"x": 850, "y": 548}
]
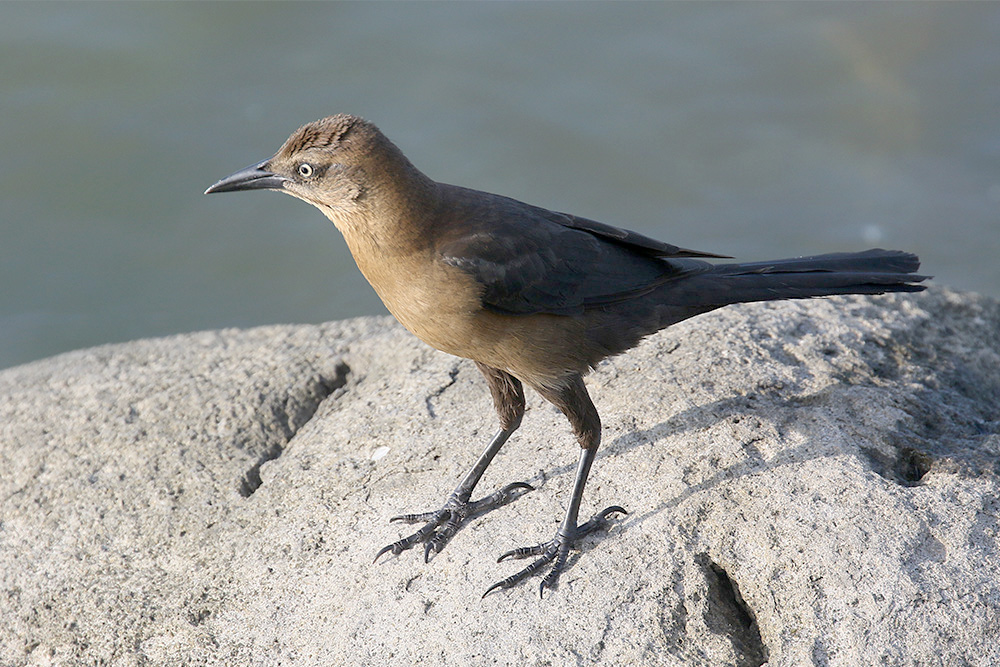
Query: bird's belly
[
  {"x": 540, "y": 350},
  {"x": 439, "y": 327}
]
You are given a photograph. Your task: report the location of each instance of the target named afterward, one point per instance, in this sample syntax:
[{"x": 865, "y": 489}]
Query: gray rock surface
[{"x": 810, "y": 483}]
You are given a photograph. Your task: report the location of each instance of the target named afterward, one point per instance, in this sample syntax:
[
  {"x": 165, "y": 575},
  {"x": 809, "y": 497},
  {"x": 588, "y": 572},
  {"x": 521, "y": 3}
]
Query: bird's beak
[{"x": 255, "y": 177}]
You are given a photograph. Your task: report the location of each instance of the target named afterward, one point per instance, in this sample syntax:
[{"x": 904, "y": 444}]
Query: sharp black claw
[
  {"x": 519, "y": 485},
  {"x": 492, "y": 588},
  {"x": 382, "y": 551}
]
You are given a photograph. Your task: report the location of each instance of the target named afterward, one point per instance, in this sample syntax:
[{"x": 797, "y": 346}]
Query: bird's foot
[
  {"x": 442, "y": 524},
  {"x": 555, "y": 551}
]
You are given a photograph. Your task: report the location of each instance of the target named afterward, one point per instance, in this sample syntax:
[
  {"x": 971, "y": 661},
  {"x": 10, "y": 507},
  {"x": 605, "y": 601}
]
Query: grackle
[{"x": 532, "y": 296}]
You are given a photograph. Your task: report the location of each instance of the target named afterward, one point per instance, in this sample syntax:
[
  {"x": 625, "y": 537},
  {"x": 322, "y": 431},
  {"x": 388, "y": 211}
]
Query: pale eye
[{"x": 305, "y": 170}]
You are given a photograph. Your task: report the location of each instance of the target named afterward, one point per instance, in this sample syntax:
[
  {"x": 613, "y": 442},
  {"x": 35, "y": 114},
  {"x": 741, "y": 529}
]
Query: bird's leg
[
  {"x": 442, "y": 524},
  {"x": 575, "y": 403}
]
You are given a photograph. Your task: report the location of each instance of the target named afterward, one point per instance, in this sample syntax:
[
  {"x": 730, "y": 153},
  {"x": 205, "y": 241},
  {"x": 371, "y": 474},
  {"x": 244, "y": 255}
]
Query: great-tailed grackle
[{"x": 531, "y": 295}]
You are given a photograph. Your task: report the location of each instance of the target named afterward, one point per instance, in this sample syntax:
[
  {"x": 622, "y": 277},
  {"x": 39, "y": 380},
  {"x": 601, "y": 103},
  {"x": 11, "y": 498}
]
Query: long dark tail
[{"x": 869, "y": 272}]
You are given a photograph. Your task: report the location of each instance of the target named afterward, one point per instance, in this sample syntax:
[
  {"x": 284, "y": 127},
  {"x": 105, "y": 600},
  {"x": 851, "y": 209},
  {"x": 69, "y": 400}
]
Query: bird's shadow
[
  {"x": 702, "y": 417},
  {"x": 693, "y": 419},
  {"x": 699, "y": 418}
]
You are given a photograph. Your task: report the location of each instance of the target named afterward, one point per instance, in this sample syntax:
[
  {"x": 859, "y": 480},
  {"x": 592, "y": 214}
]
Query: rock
[{"x": 809, "y": 483}]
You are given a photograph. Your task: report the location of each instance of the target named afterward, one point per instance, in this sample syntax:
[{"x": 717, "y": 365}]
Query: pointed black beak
[{"x": 255, "y": 177}]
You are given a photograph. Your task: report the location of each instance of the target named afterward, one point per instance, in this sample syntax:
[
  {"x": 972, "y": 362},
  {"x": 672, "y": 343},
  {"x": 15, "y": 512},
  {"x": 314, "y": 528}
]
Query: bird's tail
[{"x": 869, "y": 272}]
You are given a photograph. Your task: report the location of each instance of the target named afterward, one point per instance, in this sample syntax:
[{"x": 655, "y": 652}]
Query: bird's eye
[{"x": 305, "y": 170}]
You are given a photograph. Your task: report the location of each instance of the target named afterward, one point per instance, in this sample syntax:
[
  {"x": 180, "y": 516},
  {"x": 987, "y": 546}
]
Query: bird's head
[{"x": 341, "y": 164}]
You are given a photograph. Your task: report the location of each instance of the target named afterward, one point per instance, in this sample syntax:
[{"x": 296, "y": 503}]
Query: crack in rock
[
  {"x": 287, "y": 416},
  {"x": 729, "y": 614},
  {"x": 453, "y": 377}
]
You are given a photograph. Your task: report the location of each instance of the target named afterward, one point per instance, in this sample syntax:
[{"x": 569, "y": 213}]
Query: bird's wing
[
  {"x": 633, "y": 240},
  {"x": 530, "y": 260}
]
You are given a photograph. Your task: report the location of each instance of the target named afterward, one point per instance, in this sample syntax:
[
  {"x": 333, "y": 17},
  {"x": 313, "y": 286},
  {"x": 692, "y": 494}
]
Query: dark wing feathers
[
  {"x": 633, "y": 240},
  {"x": 530, "y": 260}
]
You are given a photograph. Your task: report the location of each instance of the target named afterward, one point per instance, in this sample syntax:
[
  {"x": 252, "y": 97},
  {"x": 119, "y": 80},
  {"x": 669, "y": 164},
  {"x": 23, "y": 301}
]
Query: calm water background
[{"x": 755, "y": 130}]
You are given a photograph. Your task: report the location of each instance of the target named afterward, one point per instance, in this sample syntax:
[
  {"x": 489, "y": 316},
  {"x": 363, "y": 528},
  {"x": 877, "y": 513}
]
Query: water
[{"x": 755, "y": 130}]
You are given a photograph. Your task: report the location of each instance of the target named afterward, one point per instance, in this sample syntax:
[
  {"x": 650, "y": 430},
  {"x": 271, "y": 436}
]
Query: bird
[{"x": 533, "y": 297}]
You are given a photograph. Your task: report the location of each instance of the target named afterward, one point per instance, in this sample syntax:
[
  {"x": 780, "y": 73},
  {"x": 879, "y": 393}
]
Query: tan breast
[{"x": 435, "y": 301}]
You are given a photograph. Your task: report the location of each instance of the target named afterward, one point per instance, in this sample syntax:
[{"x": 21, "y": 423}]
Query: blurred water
[{"x": 758, "y": 130}]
